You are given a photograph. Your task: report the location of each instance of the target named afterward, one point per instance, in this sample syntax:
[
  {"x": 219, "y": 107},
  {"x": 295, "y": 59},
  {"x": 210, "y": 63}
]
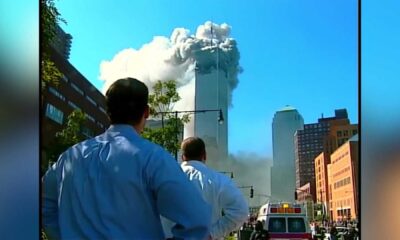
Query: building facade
[
  {"x": 212, "y": 91},
  {"x": 283, "y": 175},
  {"x": 344, "y": 181},
  {"x": 317, "y": 138},
  {"x": 72, "y": 92}
]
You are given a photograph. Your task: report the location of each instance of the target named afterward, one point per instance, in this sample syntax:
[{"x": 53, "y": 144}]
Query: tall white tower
[
  {"x": 211, "y": 93},
  {"x": 283, "y": 175}
]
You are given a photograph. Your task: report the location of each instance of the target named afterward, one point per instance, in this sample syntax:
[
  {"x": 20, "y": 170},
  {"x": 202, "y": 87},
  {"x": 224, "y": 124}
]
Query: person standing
[
  {"x": 259, "y": 232},
  {"x": 116, "y": 185},
  {"x": 216, "y": 188}
]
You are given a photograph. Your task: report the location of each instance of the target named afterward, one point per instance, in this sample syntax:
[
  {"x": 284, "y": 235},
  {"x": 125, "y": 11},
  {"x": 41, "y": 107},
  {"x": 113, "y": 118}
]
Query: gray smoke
[
  {"x": 174, "y": 58},
  {"x": 249, "y": 169}
]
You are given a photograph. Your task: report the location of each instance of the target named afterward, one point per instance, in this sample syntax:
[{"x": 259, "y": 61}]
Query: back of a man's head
[
  {"x": 126, "y": 101},
  {"x": 193, "y": 148}
]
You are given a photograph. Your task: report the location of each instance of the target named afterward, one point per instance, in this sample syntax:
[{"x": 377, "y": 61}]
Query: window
[
  {"x": 90, "y": 117},
  {"x": 91, "y": 100},
  {"x": 56, "y": 93},
  {"x": 345, "y": 133},
  {"x": 100, "y": 125},
  {"x": 102, "y": 109},
  {"x": 87, "y": 132},
  {"x": 277, "y": 224},
  {"x": 296, "y": 225},
  {"x": 77, "y": 88},
  {"x": 64, "y": 78},
  {"x": 339, "y": 133},
  {"x": 354, "y": 132},
  {"x": 73, "y": 105},
  {"x": 54, "y": 113}
]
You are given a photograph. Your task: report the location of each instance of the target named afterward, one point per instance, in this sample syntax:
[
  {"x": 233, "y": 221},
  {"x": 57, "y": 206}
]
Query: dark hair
[
  {"x": 126, "y": 101},
  {"x": 193, "y": 148},
  {"x": 259, "y": 226}
]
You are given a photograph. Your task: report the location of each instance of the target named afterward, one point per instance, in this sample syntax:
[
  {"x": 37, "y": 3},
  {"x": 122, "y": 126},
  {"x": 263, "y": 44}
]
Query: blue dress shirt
[{"x": 116, "y": 186}]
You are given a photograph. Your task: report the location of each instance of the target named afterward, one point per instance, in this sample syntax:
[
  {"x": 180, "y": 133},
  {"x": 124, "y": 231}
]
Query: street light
[
  {"x": 220, "y": 120},
  {"x": 228, "y": 172}
]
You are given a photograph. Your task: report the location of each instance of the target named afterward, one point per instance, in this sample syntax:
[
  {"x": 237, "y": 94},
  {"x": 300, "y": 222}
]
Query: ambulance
[{"x": 285, "y": 221}]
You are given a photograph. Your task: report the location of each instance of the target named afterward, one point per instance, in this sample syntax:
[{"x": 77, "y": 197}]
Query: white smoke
[{"x": 174, "y": 58}]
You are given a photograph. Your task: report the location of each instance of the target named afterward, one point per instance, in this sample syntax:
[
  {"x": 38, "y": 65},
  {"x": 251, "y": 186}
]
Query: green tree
[
  {"x": 49, "y": 17},
  {"x": 68, "y": 136},
  {"x": 163, "y": 99}
]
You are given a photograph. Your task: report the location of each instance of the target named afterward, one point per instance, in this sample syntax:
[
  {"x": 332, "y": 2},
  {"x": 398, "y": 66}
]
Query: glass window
[
  {"x": 54, "y": 113},
  {"x": 354, "y": 132},
  {"x": 87, "y": 132},
  {"x": 77, "y": 88},
  {"x": 73, "y": 105},
  {"x": 339, "y": 133},
  {"x": 64, "y": 78},
  {"x": 345, "y": 133},
  {"x": 56, "y": 93},
  {"x": 296, "y": 225},
  {"x": 90, "y": 117},
  {"x": 91, "y": 100},
  {"x": 102, "y": 109},
  {"x": 277, "y": 224}
]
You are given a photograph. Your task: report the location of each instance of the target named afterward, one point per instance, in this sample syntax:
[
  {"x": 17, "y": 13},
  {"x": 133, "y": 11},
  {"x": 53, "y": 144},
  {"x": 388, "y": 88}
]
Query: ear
[{"x": 147, "y": 112}]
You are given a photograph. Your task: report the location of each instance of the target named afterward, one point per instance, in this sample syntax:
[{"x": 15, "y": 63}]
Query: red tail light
[
  {"x": 297, "y": 210},
  {"x": 274, "y": 210}
]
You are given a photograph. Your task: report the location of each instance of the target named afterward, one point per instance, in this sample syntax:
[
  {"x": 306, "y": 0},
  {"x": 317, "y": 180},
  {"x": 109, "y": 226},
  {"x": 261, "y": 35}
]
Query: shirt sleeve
[
  {"x": 177, "y": 200},
  {"x": 235, "y": 209},
  {"x": 50, "y": 203}
]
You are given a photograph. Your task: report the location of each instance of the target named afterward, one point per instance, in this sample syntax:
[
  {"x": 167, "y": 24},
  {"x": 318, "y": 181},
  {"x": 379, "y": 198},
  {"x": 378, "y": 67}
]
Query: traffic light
[
  {"x": 251, "y": 192},
  {"x": 295, "y": 195}
]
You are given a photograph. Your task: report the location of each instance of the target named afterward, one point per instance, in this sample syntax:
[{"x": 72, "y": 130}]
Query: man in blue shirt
[{"x": 116, "y": 185}]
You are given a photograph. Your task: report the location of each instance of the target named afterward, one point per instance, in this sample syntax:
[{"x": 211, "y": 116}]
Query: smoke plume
[
  {"x": 174, "y": 58},
  {"x": 249, "y": 169}
]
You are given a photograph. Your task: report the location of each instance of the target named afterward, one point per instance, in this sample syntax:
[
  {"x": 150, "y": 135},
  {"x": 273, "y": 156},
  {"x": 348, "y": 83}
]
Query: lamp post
[
  {"x": 227, "y": 173},
  {"x": 220, "y": 120}
]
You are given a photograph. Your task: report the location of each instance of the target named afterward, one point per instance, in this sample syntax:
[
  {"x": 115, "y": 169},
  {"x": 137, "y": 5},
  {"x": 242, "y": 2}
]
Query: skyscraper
[
  {"x": 284, "y": 125},
  {"x": 325, "y": 136},
  {"x": 211, "y": 93}
]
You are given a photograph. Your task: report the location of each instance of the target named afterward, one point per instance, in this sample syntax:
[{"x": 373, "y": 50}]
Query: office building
[
  {"x": 344, "y": 181},
  {"x": 283, "y": 178}
]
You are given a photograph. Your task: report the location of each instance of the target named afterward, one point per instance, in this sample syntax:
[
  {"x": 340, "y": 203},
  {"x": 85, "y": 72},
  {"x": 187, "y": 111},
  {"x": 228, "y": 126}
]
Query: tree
[
  {"x": 163, "y": 99},
  {"x": 49, "y": 17},
  {"x": 68, "y": 136}
]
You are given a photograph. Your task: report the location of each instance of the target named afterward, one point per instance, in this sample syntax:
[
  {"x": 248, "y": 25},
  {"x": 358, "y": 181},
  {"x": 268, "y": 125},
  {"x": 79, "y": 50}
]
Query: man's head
[
  {"x": 126, "y": 101},
  {"x": 193, "y": 148}
]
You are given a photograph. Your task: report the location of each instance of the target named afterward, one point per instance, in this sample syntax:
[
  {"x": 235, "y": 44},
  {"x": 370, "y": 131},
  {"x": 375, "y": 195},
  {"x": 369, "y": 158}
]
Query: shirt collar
[
  {"x": 193, "y": 163},
  {"x": 124, "y": 129}
]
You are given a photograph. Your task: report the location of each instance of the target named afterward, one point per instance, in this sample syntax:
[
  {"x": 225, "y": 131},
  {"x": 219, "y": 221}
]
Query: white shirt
[
  {"x": 222, "y": 194},
  {"x": 116, "y": 186}
]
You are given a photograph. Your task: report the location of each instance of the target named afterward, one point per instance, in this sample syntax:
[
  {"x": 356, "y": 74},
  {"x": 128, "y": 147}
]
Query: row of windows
[
  {"x": 74, "y": 86},
  {"x": 90, "y": 117},
  {"x": 342, "y": 183},
  {"x": 57, "y": 115},
  {"x": 70, "y": 103},
  {"x": 56, "y": 93},
  {"x": 91, "y": 100},
  {"x": 341, "y": 171},
  {"x": 340, "y": 157},
  {"x": 342, "y": 203},
  {"x": 345, "y": 133}
]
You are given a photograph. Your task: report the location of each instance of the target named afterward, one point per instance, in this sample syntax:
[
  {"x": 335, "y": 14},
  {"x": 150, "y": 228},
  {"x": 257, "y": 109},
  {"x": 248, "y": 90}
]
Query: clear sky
[{"x": 298, "y": 53}]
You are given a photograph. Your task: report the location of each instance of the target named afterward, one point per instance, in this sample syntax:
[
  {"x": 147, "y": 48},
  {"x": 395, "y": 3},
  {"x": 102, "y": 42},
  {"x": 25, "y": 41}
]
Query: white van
[{"x": 285, "y": 221}]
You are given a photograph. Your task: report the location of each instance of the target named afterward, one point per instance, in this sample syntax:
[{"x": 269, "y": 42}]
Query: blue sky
[{"x": 301, "y": 53}]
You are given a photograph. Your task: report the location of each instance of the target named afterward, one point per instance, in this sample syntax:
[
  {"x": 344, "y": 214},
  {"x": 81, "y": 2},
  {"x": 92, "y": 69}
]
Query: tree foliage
[
  {"x": 49, "y": 17},
  {"x": 163, "y": 99},
  {"x": 67, "y": 137}
]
